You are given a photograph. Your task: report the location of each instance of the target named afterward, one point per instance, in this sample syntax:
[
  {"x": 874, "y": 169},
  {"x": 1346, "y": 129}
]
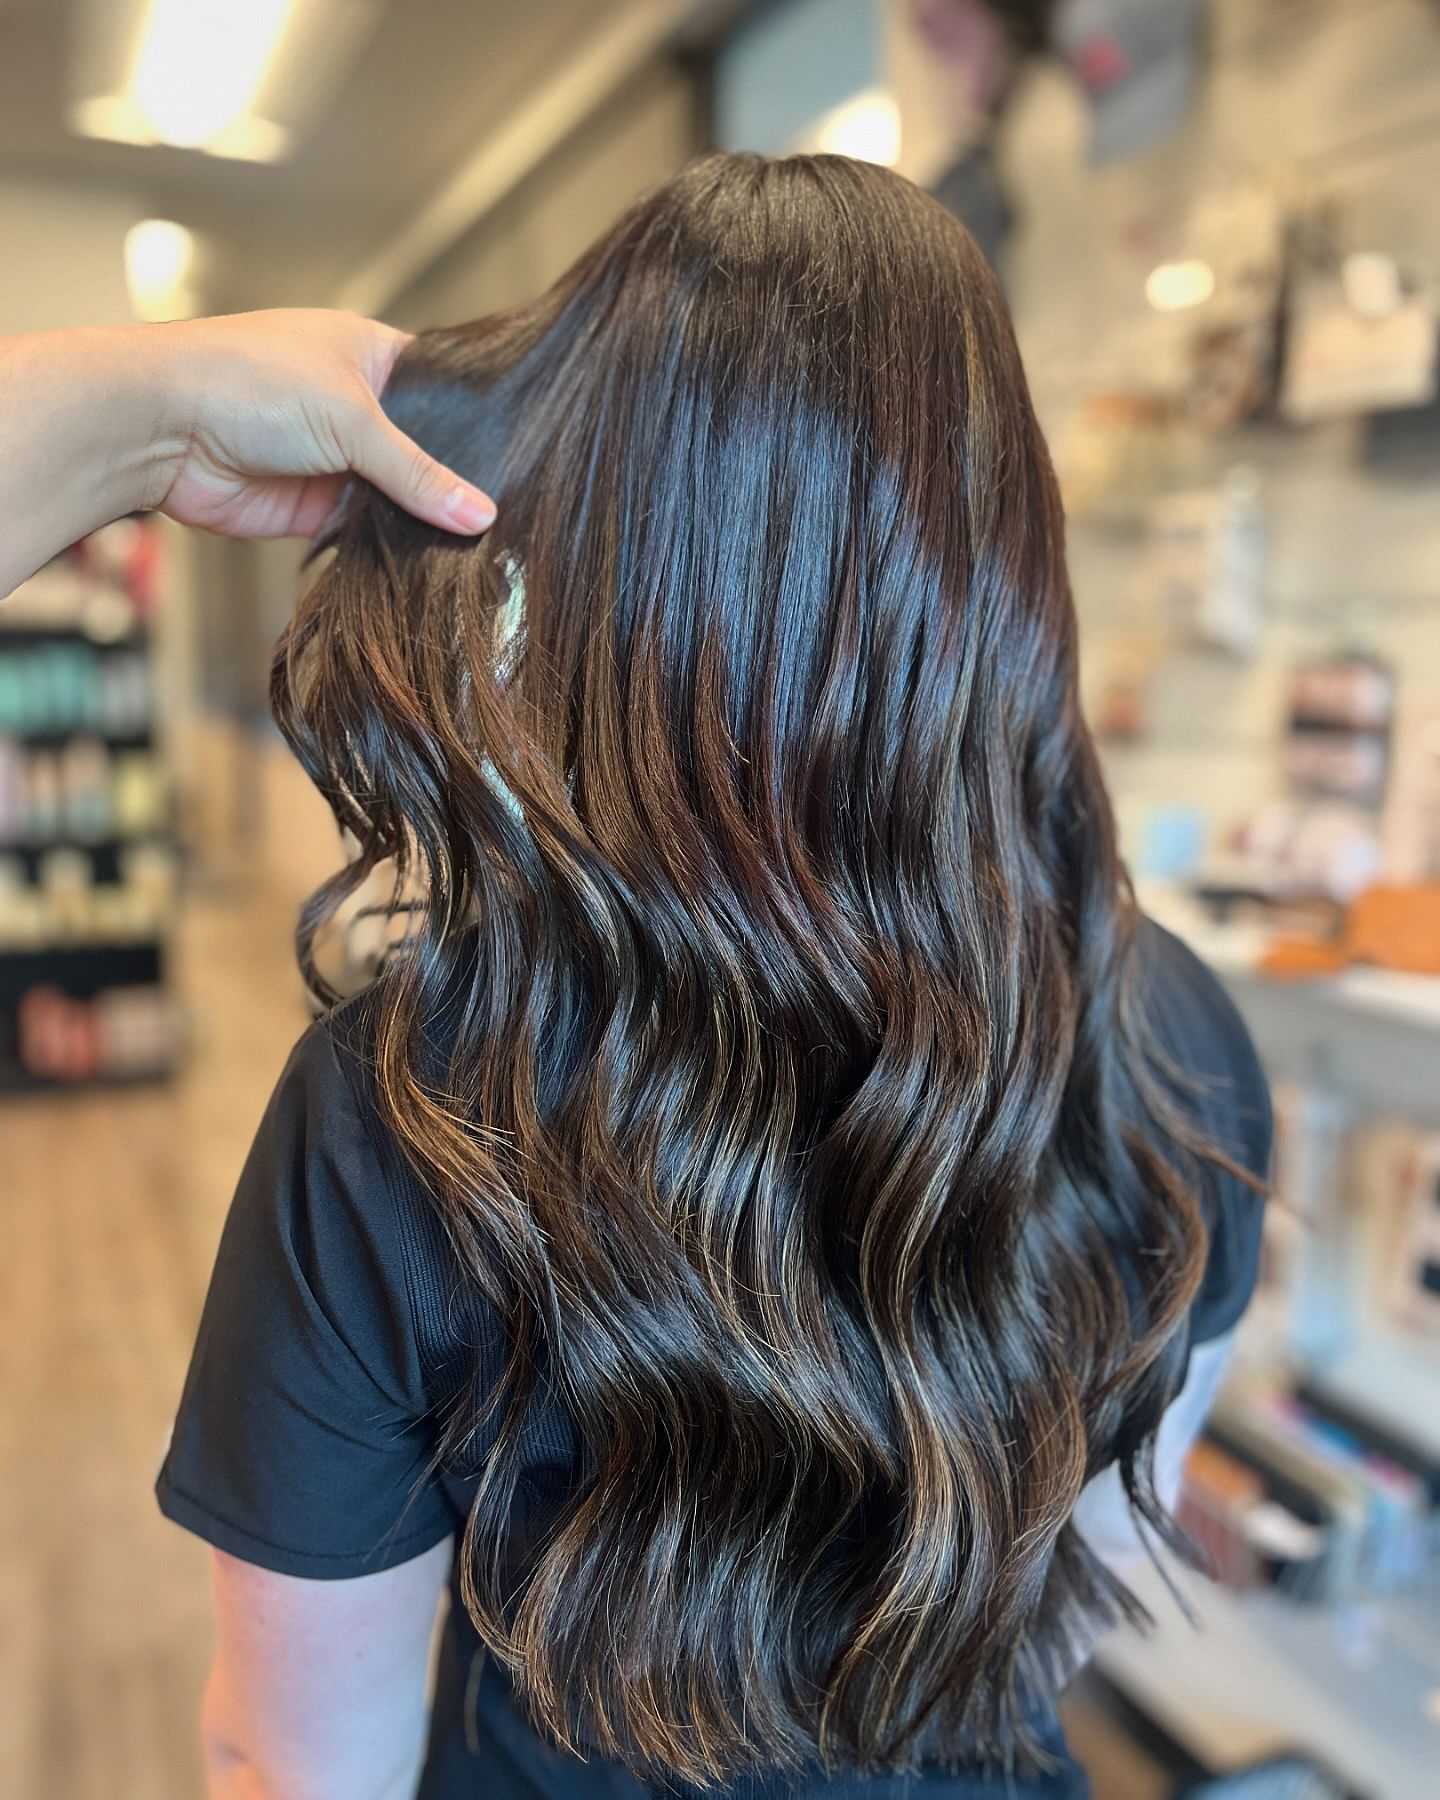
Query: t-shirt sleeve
[
  {"x": 304, "y": 1437},
  {"x": 1216, "y": 1077}
]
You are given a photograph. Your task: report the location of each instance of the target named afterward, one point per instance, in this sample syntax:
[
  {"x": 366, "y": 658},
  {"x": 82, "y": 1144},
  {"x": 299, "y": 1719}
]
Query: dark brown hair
[{"x": 792, "y": 1116}]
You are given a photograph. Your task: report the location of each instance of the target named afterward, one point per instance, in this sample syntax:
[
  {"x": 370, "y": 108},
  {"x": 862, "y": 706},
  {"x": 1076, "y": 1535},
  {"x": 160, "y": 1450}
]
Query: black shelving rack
[{"x": 86, "y": 879}]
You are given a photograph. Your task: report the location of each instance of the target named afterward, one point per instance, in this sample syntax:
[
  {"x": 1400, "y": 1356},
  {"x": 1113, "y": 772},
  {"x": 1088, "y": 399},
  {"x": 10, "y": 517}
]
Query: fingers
[{"x": 397, "y": 466}]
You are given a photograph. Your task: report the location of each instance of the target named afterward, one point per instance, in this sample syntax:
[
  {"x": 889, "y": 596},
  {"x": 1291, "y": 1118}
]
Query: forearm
[{"x": 83, "y": 439}]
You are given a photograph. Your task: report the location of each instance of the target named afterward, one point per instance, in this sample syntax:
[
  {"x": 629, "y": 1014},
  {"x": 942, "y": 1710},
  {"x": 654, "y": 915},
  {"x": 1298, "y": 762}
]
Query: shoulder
[
  {"x": 327, "y": 1176},
  {"x": 306, "y": 1426},
  {"x": 320, "y": 1168},
  {"x": 320, "y": 1132}
]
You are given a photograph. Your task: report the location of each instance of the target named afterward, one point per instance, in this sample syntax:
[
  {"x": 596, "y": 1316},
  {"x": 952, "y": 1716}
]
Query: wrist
[
  {"x": 92, "y": 425},
  {"x": 113, "y": 427},
  {"x": 154, "y": 412}
]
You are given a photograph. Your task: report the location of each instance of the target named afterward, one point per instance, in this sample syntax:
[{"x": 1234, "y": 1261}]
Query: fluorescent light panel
[
  {"x": 201, "y": 64},
  {"x": 119, "y": 120},
  {"x": 194, "y": 76}
]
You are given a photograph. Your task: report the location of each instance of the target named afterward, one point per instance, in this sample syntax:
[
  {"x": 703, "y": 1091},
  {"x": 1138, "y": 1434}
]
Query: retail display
[
  {"x": 1314, "y": 856},
  {"x": 1338, "y": 735},
  {"x": 1360, "y": 340},
  {"x": 88, "y": 865},
  {"x": 1204, "y": 569}
]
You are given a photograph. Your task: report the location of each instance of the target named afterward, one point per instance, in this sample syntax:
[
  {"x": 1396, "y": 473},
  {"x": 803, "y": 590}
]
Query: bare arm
[
  {"x": 318, "y": 1687},
  {"x": 244, "y": 425},
  {"x": 82, "y": 432}
]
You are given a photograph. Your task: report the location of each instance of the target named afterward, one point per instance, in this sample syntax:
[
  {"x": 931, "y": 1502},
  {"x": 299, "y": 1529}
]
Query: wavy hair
[{"x": 793, "y": 1116}]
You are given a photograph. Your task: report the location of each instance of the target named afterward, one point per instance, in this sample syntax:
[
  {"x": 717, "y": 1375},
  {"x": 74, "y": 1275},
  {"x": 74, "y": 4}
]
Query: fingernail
[{"x": 469, "y": 508}]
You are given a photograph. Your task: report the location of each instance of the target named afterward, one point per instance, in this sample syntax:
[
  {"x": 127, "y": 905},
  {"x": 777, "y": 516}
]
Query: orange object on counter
[
  {"x": 1396, "y": 927},
  {"x": 1390, "y": 926},
  {"x": 1303, "y": 959}
]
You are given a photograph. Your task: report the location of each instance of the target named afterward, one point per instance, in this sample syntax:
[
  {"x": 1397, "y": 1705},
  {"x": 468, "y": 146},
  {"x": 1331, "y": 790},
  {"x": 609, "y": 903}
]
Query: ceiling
[{"x": 437, "y": 80}]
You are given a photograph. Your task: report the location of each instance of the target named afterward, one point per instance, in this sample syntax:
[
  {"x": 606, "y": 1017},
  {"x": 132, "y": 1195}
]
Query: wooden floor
[{"x": 112, "y": 1206}]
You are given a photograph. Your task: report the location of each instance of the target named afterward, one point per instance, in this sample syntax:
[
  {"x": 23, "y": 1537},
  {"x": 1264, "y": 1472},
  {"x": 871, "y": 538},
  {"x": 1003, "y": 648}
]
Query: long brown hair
[{"x": 790, "y": 1112}]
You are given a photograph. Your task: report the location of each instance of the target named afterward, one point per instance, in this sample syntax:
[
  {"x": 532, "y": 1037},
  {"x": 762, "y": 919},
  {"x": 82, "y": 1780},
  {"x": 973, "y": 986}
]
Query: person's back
[{"x": 769, "y": 1186}]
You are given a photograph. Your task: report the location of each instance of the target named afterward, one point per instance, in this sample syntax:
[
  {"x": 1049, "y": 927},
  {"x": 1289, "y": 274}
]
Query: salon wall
[
  {"x": 62, "y": 256},
  {"x": 643, "y": 133},
  {"x": 1337, "y": 97}
]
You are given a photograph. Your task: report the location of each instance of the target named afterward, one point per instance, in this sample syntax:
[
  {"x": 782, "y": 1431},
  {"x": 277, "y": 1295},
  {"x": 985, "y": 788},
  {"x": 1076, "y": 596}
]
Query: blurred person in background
[{"x": 768, "y": 1237}]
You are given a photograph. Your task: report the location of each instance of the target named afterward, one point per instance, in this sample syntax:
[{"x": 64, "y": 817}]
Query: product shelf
[
  {"x": 16, "y": 1082},
  {"x": 85, "y": 916},
  {"x": 59, "y": 737},
  {"x": 106, "y": 852},
  {"x": 20, "y": 633}
]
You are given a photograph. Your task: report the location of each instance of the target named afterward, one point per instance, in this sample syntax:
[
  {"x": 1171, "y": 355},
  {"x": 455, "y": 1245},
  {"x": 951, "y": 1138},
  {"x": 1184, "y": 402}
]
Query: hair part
[{"x": 789, "y": 1109}]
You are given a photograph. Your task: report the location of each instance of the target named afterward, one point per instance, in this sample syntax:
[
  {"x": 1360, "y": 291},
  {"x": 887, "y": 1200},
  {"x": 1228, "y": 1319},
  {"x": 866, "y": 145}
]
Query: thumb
[{"x": 397, "y": 465}]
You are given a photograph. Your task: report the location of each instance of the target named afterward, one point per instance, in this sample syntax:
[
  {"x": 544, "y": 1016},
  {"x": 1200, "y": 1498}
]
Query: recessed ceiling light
[
  {"x": 1175, "y": 285},
  {"x": 866, "y": 126},
  {"x": 158, "y": 257}
]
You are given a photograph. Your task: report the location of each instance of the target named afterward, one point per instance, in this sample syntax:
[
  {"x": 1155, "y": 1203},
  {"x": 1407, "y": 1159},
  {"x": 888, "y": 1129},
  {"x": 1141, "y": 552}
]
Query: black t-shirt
[{"x": 335, "y": 1324}]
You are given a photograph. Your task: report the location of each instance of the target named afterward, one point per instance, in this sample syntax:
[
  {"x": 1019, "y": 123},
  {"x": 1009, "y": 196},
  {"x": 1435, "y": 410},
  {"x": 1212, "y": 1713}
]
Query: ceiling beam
[{"x": 631, "y": 37}]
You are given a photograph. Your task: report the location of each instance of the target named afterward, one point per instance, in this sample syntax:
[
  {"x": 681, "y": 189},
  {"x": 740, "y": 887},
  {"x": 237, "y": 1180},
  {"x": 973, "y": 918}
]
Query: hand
[
  {"x": 265, "y": 414},
  {"x": 247, "y": 425}
]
